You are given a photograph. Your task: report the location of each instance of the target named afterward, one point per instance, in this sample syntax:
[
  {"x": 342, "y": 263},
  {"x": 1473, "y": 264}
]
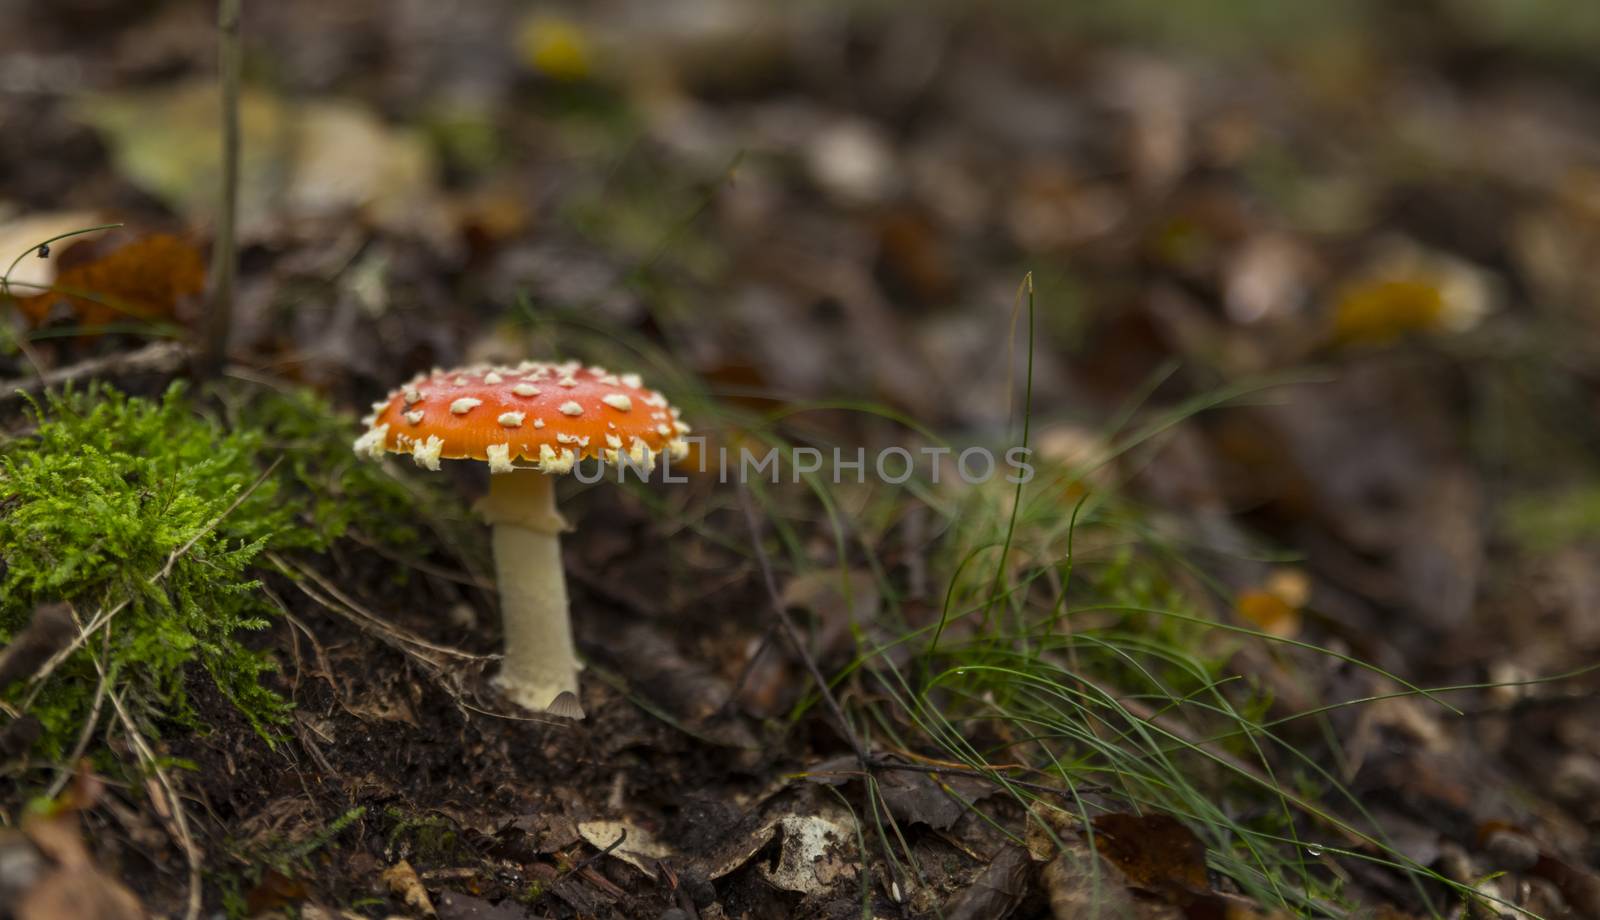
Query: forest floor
[{"x": 1297, "y": 314}]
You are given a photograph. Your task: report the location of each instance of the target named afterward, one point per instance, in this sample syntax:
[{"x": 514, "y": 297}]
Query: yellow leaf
[
  {"x": 1383, "y": 311},
  {"x": 1267, "y": 612},
  {"x": 555, "y": 47}
]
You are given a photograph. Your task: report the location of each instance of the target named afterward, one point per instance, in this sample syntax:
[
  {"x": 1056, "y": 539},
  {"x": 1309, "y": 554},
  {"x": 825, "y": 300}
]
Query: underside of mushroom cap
[{"x": 535, "y": 415}]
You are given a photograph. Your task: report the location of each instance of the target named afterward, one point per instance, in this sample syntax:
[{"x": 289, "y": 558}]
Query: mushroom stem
[{"x": 540, "y": 670}]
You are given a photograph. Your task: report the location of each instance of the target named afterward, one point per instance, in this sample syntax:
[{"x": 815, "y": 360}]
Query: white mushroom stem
[{"x": 540, "y": 670}]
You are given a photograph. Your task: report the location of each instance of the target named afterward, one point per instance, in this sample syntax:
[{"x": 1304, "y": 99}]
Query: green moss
[
  {"x": 1551, "y": 522},
  {"x": 331, "y": 491},
  {"x": 289, "y": 858},
  {"x": 161, "y": 513},
  {"x": 431, "y": 839}
]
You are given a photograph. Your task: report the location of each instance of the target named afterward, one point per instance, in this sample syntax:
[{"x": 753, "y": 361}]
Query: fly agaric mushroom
[{"x": 530, "y": 423}]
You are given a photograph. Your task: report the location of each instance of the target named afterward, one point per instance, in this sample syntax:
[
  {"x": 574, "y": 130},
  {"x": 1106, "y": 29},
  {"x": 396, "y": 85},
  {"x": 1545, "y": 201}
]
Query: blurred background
[
  {"x": 825, "y": 200},
  {"x": 1361, "y": 236}
]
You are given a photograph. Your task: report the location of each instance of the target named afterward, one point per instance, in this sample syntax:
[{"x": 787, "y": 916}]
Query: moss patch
[{"x": 159, "y": 512}]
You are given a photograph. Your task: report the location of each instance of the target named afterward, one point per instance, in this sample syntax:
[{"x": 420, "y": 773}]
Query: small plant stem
[
  {"x": 1027, "y": 418},
  {"x": 224, "y": 252},
  {"x": 798, "y": 640}
]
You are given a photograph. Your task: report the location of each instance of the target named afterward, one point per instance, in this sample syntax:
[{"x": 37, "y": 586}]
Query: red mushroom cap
[{"x": 547, "y": 415}]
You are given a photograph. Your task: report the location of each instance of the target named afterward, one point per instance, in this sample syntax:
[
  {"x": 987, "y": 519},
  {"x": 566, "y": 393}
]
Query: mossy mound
[{"x": 151, "y": 518}]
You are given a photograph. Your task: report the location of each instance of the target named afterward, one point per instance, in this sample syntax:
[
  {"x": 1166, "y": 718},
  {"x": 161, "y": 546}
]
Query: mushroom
[{"x": 529, "y": 423}]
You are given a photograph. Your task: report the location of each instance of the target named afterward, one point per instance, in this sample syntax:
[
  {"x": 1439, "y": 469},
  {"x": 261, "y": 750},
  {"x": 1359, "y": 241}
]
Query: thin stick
[
  {"x": 179, "y": 825},
  {"x": 87, "y": 733},
  {"x": 351, "y": 609},
  {"x": 155, "y": 358},
  {"x": 179, "y": 828},
  {"x": 21, "y": 341},
  {"x": 5, "y": 280},
  {"x": 796, "y": 639},
  {"x": 224, "y": 253}
]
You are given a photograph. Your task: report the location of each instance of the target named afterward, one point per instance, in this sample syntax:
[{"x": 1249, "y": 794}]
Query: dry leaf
[
  {"x": 1411, "y": 291},
  {"x": 1274, "y": 608},
  {"x": 1156, "y": 852},
  {"x": 314, "y": 159},
  {"x": 1267, "y": 612},
  {"x": 996, "y": 892},
  {"x": 404, "y": 884},
  {"x": 73, "y": 888},
  {"x": 21, "y": 237},
  {"x": 556, "y": 48},
  {"x": 628, "y": 842},
  {"x": 144, "y": 280}
]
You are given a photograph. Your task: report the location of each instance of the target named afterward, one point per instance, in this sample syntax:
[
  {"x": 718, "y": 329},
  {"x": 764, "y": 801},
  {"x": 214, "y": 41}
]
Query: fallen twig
[
  {"x": 86, "y": 733},
  {"x": 353, "y": 610},
  {"x": 177, "y": 818},
  {"x": 164, "y": 357}
]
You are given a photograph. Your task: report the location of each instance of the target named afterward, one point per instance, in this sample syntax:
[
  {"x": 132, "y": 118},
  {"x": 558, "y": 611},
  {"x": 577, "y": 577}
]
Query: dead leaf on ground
[
  {"x": 834, "y": 600},
  {"x": 997, "y": 892},
  {"x": 638, "y": 847},
  {"x": 1274, "y": 607},
  {"x": 308, "y": 159},
  {"x": 1578, "y": 886},
  {"x": 456, "y": 906},
  {"x": 21, "y": 234},
  {"x": 1146, "y": 867},
  {"x": 48, "y": 630},
  {"x": 51, "y": 874},
  {"x": 818, "y": 852},
  {"x": 1157, "y": 852},
  {"x": 274, "y": 892},
  {"x": 555, "y": 47},
  {"x": 1081, "y": 885},
  {"x": 1411, "y": 290},
  {"x": 146, "y": 279},
  {"x": 404, "y": 884},
  {"x": 938, "y": 801}
]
